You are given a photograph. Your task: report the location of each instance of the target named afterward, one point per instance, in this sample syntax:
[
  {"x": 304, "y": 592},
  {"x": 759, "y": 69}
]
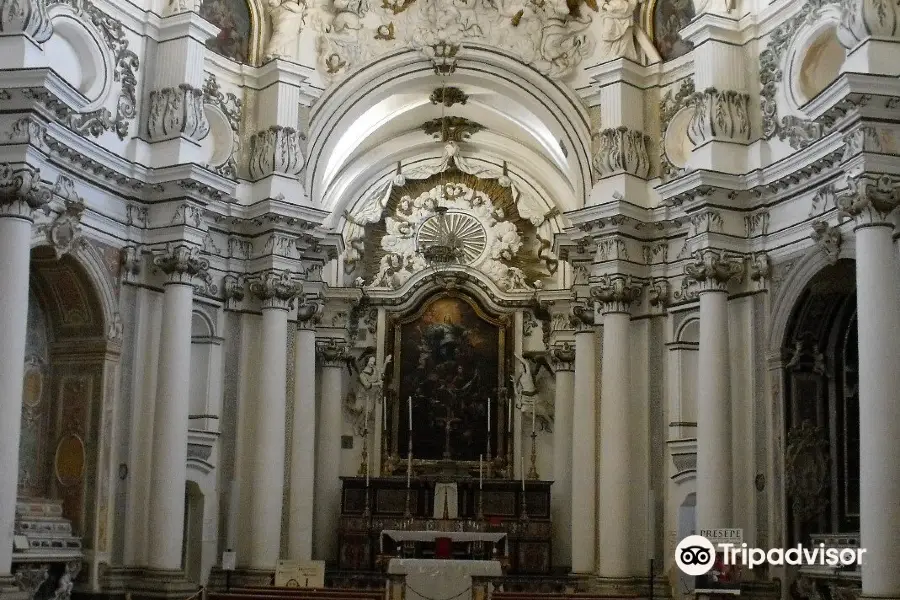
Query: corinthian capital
[
  {"x": 26, "y": 16},
  {"x": 182, "y": 263},
  {"x": 720, "y": 115},
  {"x": 309, "y": 314},
  {"x": 583, "y": 317},
  {"x": 21, "y": 191},
  {"x": 868, "y": 199},
  {"x": 275, "y": 150},
  {"x": 622, "y": 150},
  {"x": 616, "y": 293},
  {"x": 332, "y": 353},
  {"x": 175, "y": 112},
  {"x": 563, "y": 356},
  {"x": 714, "y": 269},
  {"x": 276, "y": 290}
]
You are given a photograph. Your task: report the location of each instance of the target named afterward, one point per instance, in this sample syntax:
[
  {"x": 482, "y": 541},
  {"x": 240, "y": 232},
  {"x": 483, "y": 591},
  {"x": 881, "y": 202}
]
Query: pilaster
[
  {"x": 562, "y": 357},
  {"x": 584, "y": 440},
  {"x": 870, "y": 31}
]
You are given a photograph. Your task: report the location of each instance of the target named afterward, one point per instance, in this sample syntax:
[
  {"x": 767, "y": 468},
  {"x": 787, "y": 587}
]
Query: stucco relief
[{"x": 552, "y": 37}]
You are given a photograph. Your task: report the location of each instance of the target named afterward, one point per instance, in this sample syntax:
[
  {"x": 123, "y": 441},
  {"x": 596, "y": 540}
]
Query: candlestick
[
  {"x": 533, "y": 411},
  {"x": 384, "y": 413},
  {"x": 410, "y": 414},
  {"x": 532, "y": 472},
  {"x": 522, "y": 469},
  {"x": 489, "y": 415},
  {"x": 480, "y": 471}
]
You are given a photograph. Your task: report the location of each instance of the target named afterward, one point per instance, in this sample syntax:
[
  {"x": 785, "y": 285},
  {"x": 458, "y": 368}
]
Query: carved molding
[
  {"x": 275, "y": 150},
  {"x": 713, "y": 270},
  {"x": 828, "y": 239},
  {"x": 616, "y": 293},
  {"x": 26, "y": 16},
  {"x": 276, "y": 289},
  {"x": 869, "y": 199},
  {"x": 806, "y": 471},
  {"x": 719, "y": 115},
  {"x": 21, "y": 190},
  {"x": 622, "y": 150},
  {"x": 177, "y": 111},
  {"x": 181, "y": 263}
]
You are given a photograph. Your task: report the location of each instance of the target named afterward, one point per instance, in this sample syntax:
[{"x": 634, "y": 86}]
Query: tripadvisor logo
[{"x": 695, "y": 555}]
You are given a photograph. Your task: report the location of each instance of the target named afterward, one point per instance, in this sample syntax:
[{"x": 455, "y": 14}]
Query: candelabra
[{"x": 532, "y": 472}]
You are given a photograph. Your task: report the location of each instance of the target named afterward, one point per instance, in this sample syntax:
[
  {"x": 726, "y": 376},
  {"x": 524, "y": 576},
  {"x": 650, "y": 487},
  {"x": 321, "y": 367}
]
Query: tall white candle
[
  {"x": 384, "y": 413},
  {"x": 480, "y": 470},
  {"x": 410, "y": 414},
  {"x": 489, "y": 415},
  {"x": 533, "y": 407}
]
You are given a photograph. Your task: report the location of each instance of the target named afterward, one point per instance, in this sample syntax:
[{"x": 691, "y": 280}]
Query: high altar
[{"x": 448, "y": 488}]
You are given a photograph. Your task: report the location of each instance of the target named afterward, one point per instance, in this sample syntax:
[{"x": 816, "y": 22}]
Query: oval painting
[
  {"x": 70, "y": 460},
  {"x": 32, "y": 386}
]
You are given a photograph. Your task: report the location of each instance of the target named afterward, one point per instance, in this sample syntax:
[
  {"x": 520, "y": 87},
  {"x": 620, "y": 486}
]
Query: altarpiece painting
[{"x": 449, "y": 359}]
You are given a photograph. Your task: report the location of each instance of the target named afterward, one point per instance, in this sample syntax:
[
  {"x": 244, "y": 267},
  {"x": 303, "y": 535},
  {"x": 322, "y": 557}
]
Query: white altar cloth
[
  {"x": 435, "y": 579},
  {"x": 403, "y": 535}
]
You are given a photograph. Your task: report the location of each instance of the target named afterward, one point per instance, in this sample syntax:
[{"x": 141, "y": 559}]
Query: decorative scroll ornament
[
  {"x": 175, "y": 112},
  {"x": 451, "y": 129},
  {"x": 309, "y": 314},
  {"x": 672, "y": 102},
  {"x": 276, "y": 290},
  {"x": 720, "y": 115},
  {"x": 231, "y": 106},
  {"x": 868, "y": 199},
  {"x": 551, "y": 36},
  {"x": 828, "y": 239},
  {"x": 806, "y": 471},
  {"x": 622, "y": 150},
  {"x": 182, "y": 263},
  {"x": 583, "y": 317},
  {"x": 275, "y": 150},
  {"x": 448, "y": 96},
  {"x": 562, "y": 356},
  {"x": 713, "y": 270},
  {"x": 64, "y": 232},
  {"x": 616, "y": 293},
  {"x": 26, "y": 16},
  {"x": 658, "y": 293},
  {"x": 332, "y": 353}
]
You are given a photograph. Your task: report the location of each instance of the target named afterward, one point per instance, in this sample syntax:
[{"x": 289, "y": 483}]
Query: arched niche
[
  {"x": 242, "y": 23},
  {"x": 68, "y": 397}
]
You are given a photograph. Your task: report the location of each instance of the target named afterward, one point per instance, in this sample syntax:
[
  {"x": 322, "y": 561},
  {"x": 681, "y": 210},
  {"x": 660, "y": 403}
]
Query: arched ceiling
[{"x": 373, "y": 119}]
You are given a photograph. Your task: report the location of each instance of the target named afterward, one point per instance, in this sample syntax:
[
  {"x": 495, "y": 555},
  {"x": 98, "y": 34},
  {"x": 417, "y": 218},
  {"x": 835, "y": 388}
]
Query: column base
[
  {"x": 242, "y": 577},
  {"x": 630, "y": 587},
  {"x": 162, "y": 584},
  {"x": 9, "y": 589}
]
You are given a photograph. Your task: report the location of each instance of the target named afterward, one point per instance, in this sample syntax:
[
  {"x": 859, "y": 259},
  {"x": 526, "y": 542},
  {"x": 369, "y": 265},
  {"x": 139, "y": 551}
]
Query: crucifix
[{"x": 448, "y": 421}]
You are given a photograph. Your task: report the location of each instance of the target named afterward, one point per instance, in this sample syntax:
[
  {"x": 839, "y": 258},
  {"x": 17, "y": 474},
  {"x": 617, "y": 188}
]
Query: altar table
[{"x": 428, "y": 579}]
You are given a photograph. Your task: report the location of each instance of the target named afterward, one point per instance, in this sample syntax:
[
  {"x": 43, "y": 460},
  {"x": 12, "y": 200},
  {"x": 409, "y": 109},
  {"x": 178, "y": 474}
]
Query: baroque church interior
[{"x": 536, "y": 288}]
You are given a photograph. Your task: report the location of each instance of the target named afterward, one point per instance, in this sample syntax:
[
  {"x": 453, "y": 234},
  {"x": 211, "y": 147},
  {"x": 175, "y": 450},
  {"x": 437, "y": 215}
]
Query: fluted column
[
  {"x": 870, "y": 203},
  {"x": 303, "y": 441},
  {"x": 277, "y": 291},
  {"x": 21, "y": 192},
  {"x": 563, "y": 358},
  {"x": 181, "y": 264},
  {"x": 328, "y": 451},
  {"x": 615, "y": 294},
  {"x": 584, "y": 433},
  {"x": 712, "y": 270}
]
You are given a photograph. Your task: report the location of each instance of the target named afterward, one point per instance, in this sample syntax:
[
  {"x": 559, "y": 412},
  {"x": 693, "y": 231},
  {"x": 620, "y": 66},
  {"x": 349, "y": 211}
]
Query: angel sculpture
[
  {"x": 369, "y": 389},
  {"x": 287, "y": 19},
  {"x": 527, "y": 395}
]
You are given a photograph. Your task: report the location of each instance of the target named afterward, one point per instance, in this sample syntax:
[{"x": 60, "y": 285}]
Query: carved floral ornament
[
  {"x": 181, "y": 262},
  {"x": 713, "y": 270},
  {"x": 806, "y": 471},
  {"x": 616, "y": 293},
  {"x": 869, "y": 198},
  {"x": 276, "y": 289}
]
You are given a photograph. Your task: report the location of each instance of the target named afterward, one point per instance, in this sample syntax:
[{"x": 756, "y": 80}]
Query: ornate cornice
[
  {"x": 828, "y": 239},
  {"x": 276, "y": 289},
  {"x": 720, "y": 115},
  {"x": 26, "y": 16},
  {"x": 21, "y": 191},
  {"x": 622, "y": 150},
  {"x": 562, "y": 356},
  {"x": 332, "y": 353},
  {"x": 275, "y": 150},
  {"x": 712, "y": 270},
  {"x": 868, "y": 199},
  {"x": 616, "y": 293},
  {"x": 177, "y": 111},
  {"x": 182, "y": 263}
]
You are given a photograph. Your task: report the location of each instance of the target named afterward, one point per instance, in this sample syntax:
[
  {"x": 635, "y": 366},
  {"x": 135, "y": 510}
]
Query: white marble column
[
  {"x": 277, "y": 290},
  {"x": 712, "y": 270},
  {"x": 303, "y": 441},
  {"x": 328, "y": 451},
  {"x": 615, "y": 476},
  {"x": 563, "y": 357},
  {"x": 870, "y": 203},
  {"x": 584, "y": 434},
  {"x": 168, "y": 471},
  {"x": 17, "y": 200}
]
